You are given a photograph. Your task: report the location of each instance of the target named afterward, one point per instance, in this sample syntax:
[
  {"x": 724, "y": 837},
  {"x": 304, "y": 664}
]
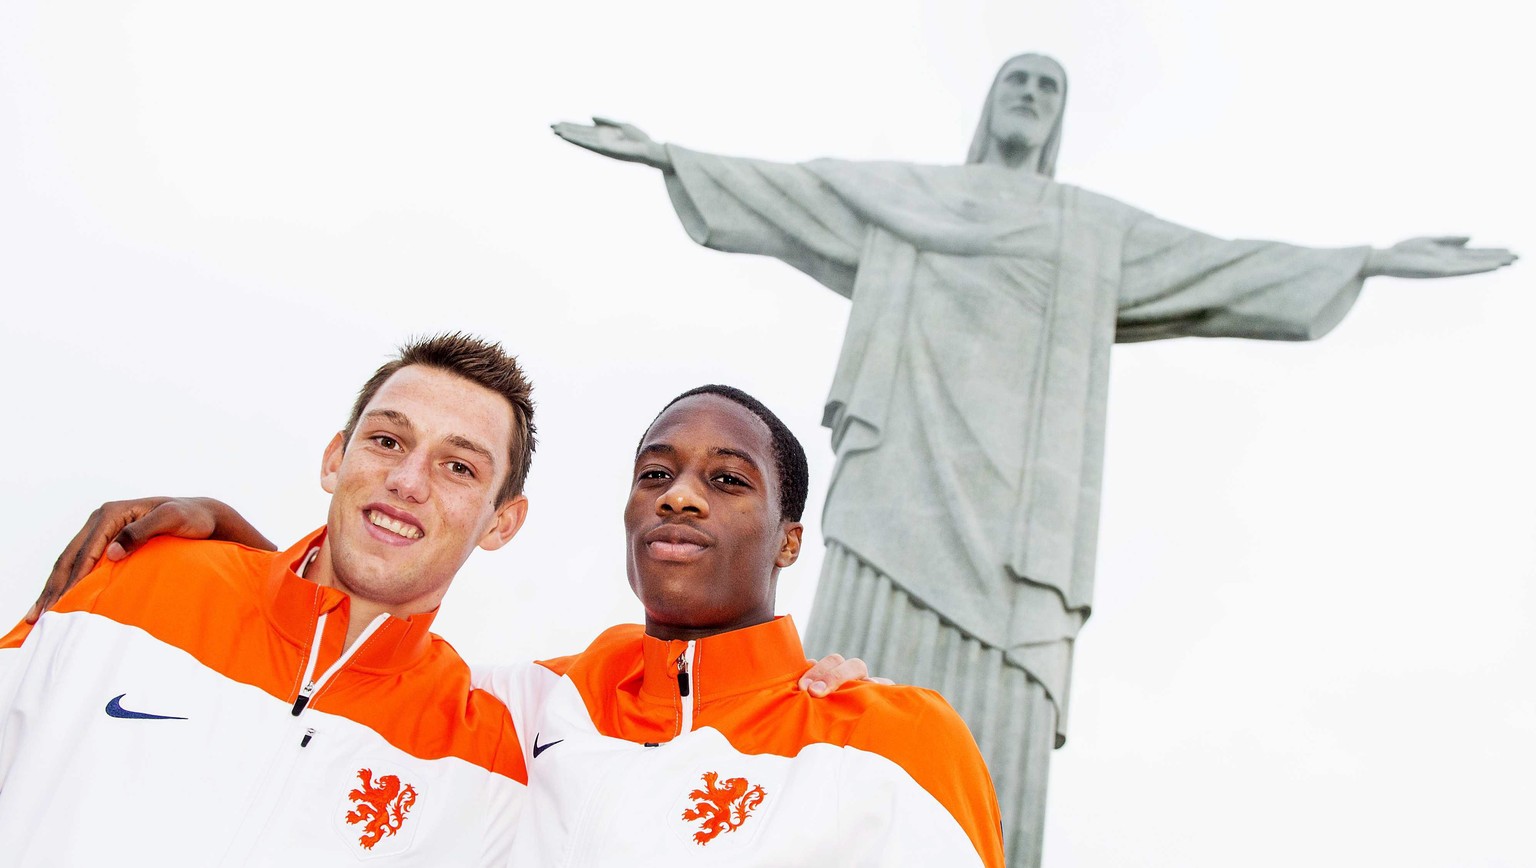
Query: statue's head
[{"x": 1023, "y": 111}]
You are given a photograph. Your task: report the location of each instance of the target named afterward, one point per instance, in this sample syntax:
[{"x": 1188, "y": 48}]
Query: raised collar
[
  {"x": 727, "y": 663},
  {"x": 294, "y": 604}
]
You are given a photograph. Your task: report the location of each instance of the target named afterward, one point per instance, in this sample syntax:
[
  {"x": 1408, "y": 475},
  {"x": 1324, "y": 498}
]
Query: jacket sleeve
[
  {"x": 15, "y": 659},
  {"x": 933, "y": 803},
  {"x": 523, "y": 689},
  {"x": 26, "y": 651}
]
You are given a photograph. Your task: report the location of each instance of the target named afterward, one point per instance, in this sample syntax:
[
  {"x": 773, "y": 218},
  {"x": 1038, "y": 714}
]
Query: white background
[{"x": 1314, "y": 640}]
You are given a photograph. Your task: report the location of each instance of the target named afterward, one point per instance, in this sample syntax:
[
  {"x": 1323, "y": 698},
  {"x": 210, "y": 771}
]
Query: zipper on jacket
[
  {"x": 685, "y": 687},
  {"x": 682, "y": 674},
  {"x": 312, "y": 684},
  {"x": 285, "y": 761}
]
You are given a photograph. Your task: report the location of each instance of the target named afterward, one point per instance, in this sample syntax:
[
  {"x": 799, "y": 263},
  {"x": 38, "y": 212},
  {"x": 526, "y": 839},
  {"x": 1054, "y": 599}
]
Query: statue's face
[{"x": 1027, "y": 100}]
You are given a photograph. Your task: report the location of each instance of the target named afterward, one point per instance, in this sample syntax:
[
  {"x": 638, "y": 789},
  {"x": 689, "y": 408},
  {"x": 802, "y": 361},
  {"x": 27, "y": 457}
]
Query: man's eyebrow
[
  {"x": 654, "y": 449},
  {"x": 403, "y": 421},
  {"x": 726, "y": 451},
  {"x": 736, "y": 453},
  {"x": 394, "y": 416},
  {"x": 471, "y": 446}
]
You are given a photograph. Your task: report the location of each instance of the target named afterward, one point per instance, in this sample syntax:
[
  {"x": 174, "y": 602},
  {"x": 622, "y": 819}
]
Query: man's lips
[
  {"x": 390, "y": 525},
  {"x": 676, "y": 542}
]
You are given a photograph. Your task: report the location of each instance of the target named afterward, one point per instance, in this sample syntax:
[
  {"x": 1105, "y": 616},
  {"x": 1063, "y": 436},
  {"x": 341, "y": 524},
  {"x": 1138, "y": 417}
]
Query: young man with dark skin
[{"x": 686, "y": 741}]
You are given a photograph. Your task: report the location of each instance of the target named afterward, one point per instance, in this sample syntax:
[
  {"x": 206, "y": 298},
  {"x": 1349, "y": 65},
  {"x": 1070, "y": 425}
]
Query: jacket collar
[
  {"x": 727, "y": 663},
  {"x": 294, "y": 604}
]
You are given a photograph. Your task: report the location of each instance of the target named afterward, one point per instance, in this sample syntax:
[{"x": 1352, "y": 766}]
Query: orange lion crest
[
  {"x": 381, "y": 808},
  {"x": 722, "y": 805}
]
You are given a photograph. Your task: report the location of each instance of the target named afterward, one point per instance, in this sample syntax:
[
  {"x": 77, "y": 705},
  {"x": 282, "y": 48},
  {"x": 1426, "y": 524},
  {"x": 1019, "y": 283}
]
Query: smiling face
[
  {"x": 705, "y": 536},
  {"x": 414, "y": 491},
  {"x": 1026, "y": 101}
]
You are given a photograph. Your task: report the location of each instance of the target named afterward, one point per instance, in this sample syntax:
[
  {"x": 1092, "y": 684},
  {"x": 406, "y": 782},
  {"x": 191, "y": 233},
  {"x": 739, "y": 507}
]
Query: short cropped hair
[
  {"x": 788, "y": 455},
  {"x": 483, "y": 363}
]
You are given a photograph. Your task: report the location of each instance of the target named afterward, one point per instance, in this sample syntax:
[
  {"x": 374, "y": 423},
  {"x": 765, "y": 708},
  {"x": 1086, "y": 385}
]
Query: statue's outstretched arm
[
  {"x": 617, "y": 140},
  {"x": 1441, "y": 256}
]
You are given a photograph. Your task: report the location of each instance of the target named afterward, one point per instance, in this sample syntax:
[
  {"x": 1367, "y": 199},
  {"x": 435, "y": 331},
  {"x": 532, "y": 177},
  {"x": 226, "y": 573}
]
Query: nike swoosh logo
[
  {"x": 115, "y": 709},
  {"x": 540, "y": 748}
]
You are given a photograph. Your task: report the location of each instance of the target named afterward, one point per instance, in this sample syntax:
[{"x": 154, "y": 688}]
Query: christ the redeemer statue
[{"x": 968, "y": 407}]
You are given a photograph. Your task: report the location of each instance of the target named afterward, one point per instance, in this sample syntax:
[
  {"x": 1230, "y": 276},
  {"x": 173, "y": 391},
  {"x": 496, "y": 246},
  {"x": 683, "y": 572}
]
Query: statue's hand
[
  {"x": 616, "y": 140},
  {"x": 1443, "y": 256}
]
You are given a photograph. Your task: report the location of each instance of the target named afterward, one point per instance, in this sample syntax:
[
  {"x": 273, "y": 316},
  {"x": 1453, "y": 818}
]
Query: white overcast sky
[{"x": 1314, "y": 639}]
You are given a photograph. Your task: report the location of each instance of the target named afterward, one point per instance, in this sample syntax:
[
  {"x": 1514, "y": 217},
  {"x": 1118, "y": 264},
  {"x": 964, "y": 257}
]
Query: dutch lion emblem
[
  {"x": 722, "y": 805},
  {"x": 380, "y": 806}
]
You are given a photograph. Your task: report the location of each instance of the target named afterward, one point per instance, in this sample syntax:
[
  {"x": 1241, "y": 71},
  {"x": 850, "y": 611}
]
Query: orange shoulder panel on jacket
[
  {"x": 200, "y": 596},
  {"x": 17, "y": 635},
  {"x": 205, "y": 598},
  {"x": 919, "y": 731},
  {"x": 608, "y": 676},
  {"x": 911, "y": 726},
  {"x": 82, "y": 597},
  {"x": 430, "y": 710}
]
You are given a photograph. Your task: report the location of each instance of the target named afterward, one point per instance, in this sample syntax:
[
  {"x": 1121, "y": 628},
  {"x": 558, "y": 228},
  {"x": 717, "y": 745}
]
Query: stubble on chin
[{"x": 353, "y": 576}]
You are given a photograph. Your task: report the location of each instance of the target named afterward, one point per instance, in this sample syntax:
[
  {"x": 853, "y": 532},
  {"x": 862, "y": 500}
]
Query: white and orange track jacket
[
  {"x": 648, "y": 752},
  {"x": 193, "y": 706}
]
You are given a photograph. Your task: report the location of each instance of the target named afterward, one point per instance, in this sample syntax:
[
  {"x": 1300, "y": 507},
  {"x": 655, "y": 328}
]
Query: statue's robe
[{"x": 967, "y": 410}]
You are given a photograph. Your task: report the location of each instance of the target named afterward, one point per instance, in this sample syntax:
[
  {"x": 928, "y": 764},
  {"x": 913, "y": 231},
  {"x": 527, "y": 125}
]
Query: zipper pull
[
  {"x": 303, "y": 700},
  {"x": 682, "y": 674},
  {"x": 308, "y": 734}
]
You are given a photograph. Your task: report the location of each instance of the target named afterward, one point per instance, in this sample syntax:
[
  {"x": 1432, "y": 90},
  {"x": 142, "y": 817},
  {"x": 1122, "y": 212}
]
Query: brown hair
[{"x": 481, "y": 362}]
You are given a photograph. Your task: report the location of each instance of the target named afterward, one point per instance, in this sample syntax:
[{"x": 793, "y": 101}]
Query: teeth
[{"x": 379, "y": 519}]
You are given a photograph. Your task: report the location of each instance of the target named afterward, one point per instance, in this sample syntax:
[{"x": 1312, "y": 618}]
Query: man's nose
[
  {"x": 683, "y": 496},
  {"x": 409, "y": 480}
]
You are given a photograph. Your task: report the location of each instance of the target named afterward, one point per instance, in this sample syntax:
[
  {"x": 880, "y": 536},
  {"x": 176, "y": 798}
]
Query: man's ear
[
  {"x": 789, "y": 549},
  {"x": 330, "y": 465},
  {"x": 509, "y": 519}
]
